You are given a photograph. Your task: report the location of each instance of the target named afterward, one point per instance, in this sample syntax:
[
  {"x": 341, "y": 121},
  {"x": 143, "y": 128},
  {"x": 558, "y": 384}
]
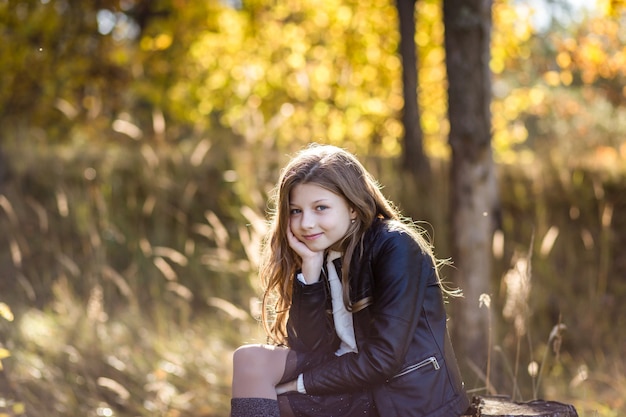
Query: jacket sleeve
[
  {"x": 309, "y": 326},
  {"x": 400, "y": 271}
]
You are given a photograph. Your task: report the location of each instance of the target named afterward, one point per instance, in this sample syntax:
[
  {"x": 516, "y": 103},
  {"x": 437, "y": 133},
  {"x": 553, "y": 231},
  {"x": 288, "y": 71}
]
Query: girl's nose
[{"x": 308, "y": 220}]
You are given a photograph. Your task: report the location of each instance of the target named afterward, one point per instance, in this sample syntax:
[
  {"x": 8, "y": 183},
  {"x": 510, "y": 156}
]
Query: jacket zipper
[{"x": 432, "y": 360}]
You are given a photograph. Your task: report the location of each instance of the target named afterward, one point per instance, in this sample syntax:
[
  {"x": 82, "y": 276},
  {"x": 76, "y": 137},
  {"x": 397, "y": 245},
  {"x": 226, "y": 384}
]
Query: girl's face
[{"x": 317, "y": 217}]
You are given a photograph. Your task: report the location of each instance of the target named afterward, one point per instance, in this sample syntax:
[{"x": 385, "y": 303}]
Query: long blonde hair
[{"x": 340, "y": 172}]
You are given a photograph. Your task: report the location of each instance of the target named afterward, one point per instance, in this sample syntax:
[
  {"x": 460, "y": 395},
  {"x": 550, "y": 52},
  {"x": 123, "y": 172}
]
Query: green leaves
[{"x": 333, "y": 66}]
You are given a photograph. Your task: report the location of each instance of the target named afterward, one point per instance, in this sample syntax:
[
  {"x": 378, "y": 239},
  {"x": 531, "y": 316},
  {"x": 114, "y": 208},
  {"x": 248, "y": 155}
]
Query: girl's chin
[
  {"x": 324, "y": 248},
  {"x": 316, "y": 247},
  {"x": 322, "y": 245}
]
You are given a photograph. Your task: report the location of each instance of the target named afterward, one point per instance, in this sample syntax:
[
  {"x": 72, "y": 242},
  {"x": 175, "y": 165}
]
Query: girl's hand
[
  {"x": 298, "y": 246},
  {"x": 312, "y": 261}
]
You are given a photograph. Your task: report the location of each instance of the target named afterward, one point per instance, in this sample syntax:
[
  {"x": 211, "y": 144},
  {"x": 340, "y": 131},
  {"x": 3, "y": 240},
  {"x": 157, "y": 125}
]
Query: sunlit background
[{"x": 140, "y": 140}]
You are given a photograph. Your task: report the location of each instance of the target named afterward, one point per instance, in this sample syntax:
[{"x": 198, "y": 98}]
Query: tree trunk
[
  {"x": 3, "y": 169},
  {"x": 474, "y": 193},
  {"x": 504, "y": 407},
  {"x": 414, "y": 161}
]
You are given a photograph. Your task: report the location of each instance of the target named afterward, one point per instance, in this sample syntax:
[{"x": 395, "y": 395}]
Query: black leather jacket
[{"x": 404, "y": 353}]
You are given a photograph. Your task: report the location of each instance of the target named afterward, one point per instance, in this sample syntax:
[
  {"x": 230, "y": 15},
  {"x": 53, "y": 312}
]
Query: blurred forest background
[{"x": 139, "y": 141}]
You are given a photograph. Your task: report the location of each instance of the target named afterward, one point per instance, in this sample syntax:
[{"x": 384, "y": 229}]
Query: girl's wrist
[
  {"x": 287, "y": 387},
  {"x": 312, "y": 268}
]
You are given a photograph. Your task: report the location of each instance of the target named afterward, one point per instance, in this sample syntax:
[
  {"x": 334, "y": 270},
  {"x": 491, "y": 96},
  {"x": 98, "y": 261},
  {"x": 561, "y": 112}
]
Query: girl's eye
[
  {"x": 294, "y": 211},
  {"x": 320, "y": 208}
]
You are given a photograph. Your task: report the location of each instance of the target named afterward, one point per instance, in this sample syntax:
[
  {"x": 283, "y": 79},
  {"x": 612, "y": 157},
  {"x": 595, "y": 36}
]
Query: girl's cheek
[{"x": 293, "y": 223}]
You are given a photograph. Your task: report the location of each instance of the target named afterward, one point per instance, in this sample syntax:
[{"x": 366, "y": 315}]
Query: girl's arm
[{"x": 309, "y": 326}]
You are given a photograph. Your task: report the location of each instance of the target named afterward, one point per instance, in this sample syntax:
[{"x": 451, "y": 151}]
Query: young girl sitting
[{"x": 353, "y": 305}]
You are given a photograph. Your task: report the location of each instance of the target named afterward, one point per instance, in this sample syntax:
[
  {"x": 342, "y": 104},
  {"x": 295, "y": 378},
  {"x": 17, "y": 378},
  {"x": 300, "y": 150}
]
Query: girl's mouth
[{"x": 312, "y": 237}]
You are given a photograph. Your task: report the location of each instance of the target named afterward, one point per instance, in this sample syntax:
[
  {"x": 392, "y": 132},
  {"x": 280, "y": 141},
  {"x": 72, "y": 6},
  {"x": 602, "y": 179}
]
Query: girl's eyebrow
[{"x": 313, "y": 202}]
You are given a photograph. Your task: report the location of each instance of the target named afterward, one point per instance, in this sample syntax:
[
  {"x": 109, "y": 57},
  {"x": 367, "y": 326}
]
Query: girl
[{"x": 357, "y": 319}]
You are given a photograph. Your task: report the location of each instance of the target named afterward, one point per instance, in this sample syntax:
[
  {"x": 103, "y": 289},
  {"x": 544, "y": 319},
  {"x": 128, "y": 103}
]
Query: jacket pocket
[
  {"x": 419, "y": 389},
  {"x": 431, "y": 361}
]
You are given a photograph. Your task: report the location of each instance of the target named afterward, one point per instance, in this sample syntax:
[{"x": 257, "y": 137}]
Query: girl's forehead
[{"x": 304, "y": 192}]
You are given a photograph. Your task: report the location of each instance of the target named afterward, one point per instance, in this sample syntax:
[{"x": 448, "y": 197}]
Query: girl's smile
[{"x": 312, "y": 237}]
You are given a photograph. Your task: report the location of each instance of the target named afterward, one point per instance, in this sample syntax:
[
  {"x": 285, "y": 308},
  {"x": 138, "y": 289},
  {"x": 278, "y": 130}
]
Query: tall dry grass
[
  {"x": 128, "y": 273},
  {"x": 559, "y": 294}
]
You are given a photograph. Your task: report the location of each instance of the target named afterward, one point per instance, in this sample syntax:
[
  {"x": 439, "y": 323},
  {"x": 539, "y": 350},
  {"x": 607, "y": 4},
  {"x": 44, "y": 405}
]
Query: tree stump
[{"x": 500, "y": 406}]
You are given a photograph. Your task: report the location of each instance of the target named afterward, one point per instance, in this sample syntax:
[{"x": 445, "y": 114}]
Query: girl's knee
[
  {"x": 247, "y": 355},
  {"x": 259, "y": 360}
]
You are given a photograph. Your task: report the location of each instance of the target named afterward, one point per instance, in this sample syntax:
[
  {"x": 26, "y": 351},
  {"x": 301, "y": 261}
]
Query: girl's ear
[{"x": 352, "y": 214}]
